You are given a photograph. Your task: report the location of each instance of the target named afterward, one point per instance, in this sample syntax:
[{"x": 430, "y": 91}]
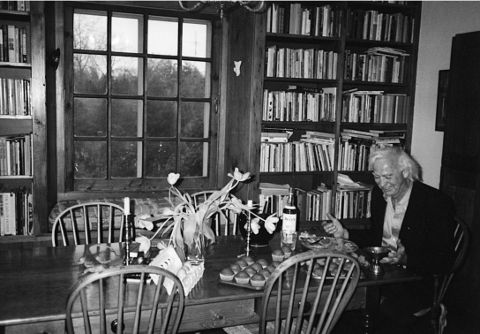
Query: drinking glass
[{"x": 289, "y": 239}]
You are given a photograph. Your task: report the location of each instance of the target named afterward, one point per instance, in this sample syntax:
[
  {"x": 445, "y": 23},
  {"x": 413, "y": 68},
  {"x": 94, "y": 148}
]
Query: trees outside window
[{"x": 141, "y": 96}]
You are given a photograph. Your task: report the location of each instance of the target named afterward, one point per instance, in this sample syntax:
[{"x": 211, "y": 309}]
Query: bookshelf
[
  {"x": 339, "y": 77},
  {"x": 22, "y": 119}
]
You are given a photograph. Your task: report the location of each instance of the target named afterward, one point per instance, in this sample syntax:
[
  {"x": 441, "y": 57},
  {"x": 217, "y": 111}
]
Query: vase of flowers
[{"x": 188, "y": 224}]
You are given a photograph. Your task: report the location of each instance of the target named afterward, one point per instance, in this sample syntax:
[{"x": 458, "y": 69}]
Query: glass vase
[{"x": 194, "y": 241}]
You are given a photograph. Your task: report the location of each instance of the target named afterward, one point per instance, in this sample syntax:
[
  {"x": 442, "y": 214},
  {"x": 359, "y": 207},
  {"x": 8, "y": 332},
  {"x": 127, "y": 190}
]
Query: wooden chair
[
  {"x": 76, "y": 224},
  {"x": 442, "y": 282},
  {"x": 314, "y": 289},
  {"x": 224, "y": 222},
  {"x": 113, "y": 302}
]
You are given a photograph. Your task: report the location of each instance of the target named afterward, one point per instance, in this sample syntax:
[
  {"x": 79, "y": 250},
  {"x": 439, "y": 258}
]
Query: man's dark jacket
[{"x": 427, "y": 228}]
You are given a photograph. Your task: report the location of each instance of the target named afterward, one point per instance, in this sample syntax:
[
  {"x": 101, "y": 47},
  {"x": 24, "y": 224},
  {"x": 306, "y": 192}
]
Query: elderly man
[{"x": 411, "y": 218}]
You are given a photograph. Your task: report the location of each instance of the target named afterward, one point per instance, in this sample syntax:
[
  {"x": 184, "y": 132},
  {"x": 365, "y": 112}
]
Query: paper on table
[{"x": 167, "y": 259}]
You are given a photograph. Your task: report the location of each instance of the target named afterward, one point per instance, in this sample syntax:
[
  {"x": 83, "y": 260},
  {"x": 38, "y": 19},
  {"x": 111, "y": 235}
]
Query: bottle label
[{"x": 289, "y": 223}]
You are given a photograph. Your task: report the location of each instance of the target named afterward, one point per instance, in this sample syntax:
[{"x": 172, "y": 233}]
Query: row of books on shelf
[
  {"x": 377, "y": 26},
  {"x": 351, "y": 202},
  {"x": 301, "y": 63},
  {"x": 15, "y": 97},
  {"x": 13, "y": 44},
  {"x": 313, "y": 152},
  {"x": 374, "y": 107},
  {"x": 355, "y": 146},
  {"x": 23, "y": 6},
  {"x": 16, "y": 216},
  {"x": 16, "y": 155},
  {"x": 297, "y": 105},
  {"x": 375, "y": 65},
  {"x": 300, "y": 19}
]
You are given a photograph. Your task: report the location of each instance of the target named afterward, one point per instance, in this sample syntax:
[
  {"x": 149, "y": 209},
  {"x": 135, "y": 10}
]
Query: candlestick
[
  {"x": 126, "y": 209},
  {"x": 249, "y": 226},
  {"x": 126, "y": 205}
]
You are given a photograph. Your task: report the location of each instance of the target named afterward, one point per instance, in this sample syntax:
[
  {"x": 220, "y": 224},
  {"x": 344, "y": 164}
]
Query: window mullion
[
  {"x": 179, "y": 97},
  {"x": 109, "y": 95}
]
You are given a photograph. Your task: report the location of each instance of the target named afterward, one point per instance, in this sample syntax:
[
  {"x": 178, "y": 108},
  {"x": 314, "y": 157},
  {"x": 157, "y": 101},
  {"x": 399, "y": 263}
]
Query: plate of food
[{"x": 312, "y": 241}]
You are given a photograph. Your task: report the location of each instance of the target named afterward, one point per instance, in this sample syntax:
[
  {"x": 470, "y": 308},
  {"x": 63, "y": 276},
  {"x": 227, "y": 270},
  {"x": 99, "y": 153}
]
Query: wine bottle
[{"x": 290, "y": 212}]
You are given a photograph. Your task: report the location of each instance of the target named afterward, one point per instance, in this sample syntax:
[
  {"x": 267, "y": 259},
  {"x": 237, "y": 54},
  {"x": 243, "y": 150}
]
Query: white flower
[
  {"x": 271, "y": 223},
  {"x": 141, "y": 222},
  {"x": 173, "y": 178},
  {"x": 144, "y": 243},
  {"x": 255, "y": 225},
  {"x": 239, "y": 176}
]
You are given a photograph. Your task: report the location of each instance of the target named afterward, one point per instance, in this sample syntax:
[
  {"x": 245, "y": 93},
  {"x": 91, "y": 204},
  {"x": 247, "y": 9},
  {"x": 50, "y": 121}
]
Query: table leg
[{"x": 372, "y": 306}]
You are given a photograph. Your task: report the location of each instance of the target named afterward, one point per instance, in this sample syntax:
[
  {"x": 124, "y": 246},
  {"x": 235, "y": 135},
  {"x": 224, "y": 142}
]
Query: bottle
[{"x": 290, "y": 212}]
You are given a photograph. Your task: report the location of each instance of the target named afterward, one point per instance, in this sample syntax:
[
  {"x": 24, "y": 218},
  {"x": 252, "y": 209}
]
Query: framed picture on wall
[{"x": 441, "y": 100}]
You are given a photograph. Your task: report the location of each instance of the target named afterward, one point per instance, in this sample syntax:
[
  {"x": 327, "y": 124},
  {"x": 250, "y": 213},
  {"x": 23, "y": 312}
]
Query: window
[{"x": 141, "y": 96}]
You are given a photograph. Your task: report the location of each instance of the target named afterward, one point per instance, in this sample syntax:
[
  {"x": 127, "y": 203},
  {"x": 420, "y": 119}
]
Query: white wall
[{"x": 441, "y": 20}]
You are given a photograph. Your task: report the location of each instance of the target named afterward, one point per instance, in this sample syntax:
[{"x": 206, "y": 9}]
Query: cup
[{"x": 289, "y": 239}]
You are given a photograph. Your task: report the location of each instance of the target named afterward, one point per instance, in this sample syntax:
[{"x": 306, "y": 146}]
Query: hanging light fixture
[{"x": 223, "y": 6}]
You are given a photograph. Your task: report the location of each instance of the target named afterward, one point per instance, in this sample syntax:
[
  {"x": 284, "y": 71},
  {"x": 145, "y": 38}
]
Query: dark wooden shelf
[
  {"x": 15, "y": 125},
  {"x": 15, "y": 183},
  {"x": 324, "y": 126}
]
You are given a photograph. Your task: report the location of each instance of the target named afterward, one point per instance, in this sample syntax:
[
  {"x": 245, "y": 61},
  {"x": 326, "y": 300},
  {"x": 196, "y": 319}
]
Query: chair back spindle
[{"x": 121, "y": 300}]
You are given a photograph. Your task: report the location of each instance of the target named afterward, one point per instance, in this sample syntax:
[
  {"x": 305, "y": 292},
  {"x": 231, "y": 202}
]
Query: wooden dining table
[{"x": 35, "y": 282}]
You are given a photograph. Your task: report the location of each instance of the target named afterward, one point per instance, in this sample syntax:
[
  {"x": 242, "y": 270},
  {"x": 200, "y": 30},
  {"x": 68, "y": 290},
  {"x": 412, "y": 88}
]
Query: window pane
[
  {"x": 161, "y": 119},
  {"x": 163, "y": 36},
  {"x": 162, "y": 78},
  {"x": 127, "y": 118},
  {"x": 127, "y": 33},
  {"x": 90, "y": 30},
  {"x": 90, "y": 74},
  {"x": 90, "y": 159},
  {"x": 193, "y": 158},
  {"x": 196, "y": 38},
  {"x": 124, "y": 158},
  {"x": 125, "y": 75},
  {"x": 90, "y": 117},
  {"x": 195, "y": 79},
  {"x": 195, "y": 119},
  {"x": 161, "y": 158}
]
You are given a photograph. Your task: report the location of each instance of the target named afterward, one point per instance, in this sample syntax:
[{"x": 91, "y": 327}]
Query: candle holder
[
  {"x": 127, "y": 226},
  {"x": 249, "y": 227}
]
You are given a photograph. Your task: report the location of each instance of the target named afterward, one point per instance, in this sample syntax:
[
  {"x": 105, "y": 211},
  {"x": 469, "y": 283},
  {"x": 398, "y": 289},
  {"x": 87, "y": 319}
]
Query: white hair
[{"x": 403, "y": 159}]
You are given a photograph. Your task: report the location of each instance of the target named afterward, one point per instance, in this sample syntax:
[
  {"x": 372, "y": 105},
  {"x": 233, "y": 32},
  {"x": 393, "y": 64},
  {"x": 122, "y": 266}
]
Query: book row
[
  {"x": 14, "y": 97},
  {"x": 16, "y": 156},
  {"x": 13, "y": 44},
  {"x": 374, "y": 107},
  {"x": 297, "y": 156},
  {"x": 16, "y": 214},
  {"x": 301, "y": 63},
  {"x": 377, "y": 26},
  {"x": 355, "y": 149},
  {"x": 314, "y": 204},
  {"x": 23, "y": 6},
  {"x": 291, "y": 106},
  {"x": 374, "y": 67},
  {"x": 353, "y": 203},
  {"x": 298, "y": 19}
]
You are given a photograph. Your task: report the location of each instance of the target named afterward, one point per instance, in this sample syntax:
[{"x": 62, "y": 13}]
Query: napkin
[{"x": 167, "y": 259}]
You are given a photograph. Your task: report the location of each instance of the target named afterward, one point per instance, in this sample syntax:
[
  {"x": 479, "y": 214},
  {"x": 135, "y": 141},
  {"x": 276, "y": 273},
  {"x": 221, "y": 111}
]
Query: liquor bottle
[{"x": 290, "y": 213}]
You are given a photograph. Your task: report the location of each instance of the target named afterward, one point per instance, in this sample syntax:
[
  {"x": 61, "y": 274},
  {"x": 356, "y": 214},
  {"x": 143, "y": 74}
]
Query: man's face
[{"x": 390, "y": 178}]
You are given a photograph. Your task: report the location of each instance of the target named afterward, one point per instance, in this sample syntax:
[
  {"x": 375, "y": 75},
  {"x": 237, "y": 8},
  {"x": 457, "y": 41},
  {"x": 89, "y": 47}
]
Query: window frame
[{"x": 144, "y": 184}]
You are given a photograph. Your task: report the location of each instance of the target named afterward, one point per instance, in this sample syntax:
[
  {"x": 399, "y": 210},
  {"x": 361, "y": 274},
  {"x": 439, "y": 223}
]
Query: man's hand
[
  {"x": 335, "y": 227},
  {"x": 399, "y": 256}
]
